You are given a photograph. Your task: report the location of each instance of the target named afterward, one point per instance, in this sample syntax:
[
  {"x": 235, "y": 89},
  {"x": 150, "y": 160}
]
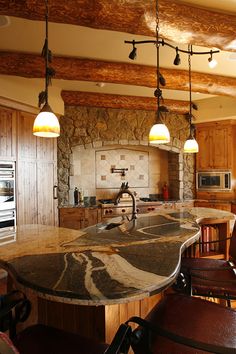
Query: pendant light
[
  {"x": 46, "y": 123},
  {"x": 191, "y": 145},
  {"x": 159, "y": 133}
]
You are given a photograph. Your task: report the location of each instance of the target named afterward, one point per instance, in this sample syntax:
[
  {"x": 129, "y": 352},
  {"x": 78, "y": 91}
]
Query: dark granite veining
[{"x": 96, "y": 266}]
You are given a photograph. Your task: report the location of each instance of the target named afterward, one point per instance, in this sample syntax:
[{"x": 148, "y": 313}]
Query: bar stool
[
  {"x": 39, "y": 339},
  {"x": 211, "y": 277},
  {"x": 181, "y": 324}
]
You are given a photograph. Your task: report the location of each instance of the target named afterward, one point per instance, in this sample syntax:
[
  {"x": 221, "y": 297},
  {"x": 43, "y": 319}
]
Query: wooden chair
[
  {"x": 210, "y": 277},
  {"x": 181, "y": 324},
  {"x": 38, "y": 339}
]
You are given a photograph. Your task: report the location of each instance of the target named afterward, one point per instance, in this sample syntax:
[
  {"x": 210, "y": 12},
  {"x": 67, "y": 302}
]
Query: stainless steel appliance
[
  {"x": 7, "y": 226},
  {"x": 7, "y": 185},
  {"x": 7, "y": 202},
  {"x": 110, "y": 210},
  {"x": 214, "y": 180}
]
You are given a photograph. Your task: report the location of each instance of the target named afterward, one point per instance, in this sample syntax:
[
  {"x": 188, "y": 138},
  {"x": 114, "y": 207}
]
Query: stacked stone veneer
[{"x": 94, "y": 128}]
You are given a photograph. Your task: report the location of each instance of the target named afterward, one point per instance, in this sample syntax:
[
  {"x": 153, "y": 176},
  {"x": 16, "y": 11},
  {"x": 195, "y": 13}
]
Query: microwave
[{"x": 214, "y": 180}]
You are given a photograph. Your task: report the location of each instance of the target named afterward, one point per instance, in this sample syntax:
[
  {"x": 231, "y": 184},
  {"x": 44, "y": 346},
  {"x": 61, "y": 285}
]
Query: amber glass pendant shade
[
  {"x": 46, "y": 124},
  {"x": 159, "y": 134}
]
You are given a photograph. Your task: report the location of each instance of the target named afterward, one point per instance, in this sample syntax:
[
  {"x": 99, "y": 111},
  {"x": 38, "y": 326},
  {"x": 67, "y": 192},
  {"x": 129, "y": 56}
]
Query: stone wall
[{"x": 97, "y": 127}]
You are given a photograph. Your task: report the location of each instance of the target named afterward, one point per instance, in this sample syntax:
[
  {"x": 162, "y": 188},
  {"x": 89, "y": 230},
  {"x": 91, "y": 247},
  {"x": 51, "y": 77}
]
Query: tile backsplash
[
  {"x": 147, "y": 170},
  {"x": 115, "y": 166}
]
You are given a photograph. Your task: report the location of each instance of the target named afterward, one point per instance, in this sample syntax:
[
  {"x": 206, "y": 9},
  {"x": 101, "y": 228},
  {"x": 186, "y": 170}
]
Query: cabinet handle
[{"x": 55, "y": 192}]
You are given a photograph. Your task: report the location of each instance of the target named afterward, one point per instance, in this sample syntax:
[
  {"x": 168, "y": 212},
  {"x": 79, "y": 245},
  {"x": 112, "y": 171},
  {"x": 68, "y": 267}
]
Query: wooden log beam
[
  {"x": 91, "y": 99},
  {"x": 180, "y": 23},
  {"x": 32, "y": 66}
]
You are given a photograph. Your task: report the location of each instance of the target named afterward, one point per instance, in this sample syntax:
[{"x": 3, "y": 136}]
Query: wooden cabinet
[
  {"x": 36, "y": 175},
  {"x": 7, "y": 134},
  {"x": 215, "y": 142},
  {"x": 78, "y": 217}
]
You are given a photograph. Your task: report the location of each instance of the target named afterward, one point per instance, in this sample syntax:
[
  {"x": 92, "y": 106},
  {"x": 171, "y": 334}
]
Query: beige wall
[{"x": 27, "y": 90}]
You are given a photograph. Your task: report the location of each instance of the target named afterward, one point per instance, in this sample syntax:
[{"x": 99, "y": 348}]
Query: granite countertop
[{"x": 101, "y": 265}]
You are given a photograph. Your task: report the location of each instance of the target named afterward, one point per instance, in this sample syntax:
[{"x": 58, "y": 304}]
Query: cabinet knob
[{"x": 123, "y": 210}]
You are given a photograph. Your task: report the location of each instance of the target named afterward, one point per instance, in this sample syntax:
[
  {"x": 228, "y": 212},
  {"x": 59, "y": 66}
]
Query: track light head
[
  {"x": 177, "y": 60},
  {"x": 133, "y": 53},
  {"x": 162, "y": 79},
  {"x": 211, "y": 61}
]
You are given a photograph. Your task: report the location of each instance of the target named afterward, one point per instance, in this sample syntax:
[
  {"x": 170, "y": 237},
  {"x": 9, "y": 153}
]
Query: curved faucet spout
[{"x": 134, "y": 209}]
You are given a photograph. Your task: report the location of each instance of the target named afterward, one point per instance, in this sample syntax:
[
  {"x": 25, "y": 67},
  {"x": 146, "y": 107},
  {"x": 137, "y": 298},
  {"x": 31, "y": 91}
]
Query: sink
[{"x": 110, "y": 226}]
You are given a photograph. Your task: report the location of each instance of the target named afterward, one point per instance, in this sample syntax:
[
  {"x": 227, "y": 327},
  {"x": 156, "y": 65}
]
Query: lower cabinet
[{"x": 78, "y": 217}]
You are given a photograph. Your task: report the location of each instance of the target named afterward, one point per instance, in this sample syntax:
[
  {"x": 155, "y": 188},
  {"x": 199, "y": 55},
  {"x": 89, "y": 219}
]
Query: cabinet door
[
  {"x": 72, "y": 218},
  {"x": 221, "y": 147},
  {"x": 7, "y": 134},
  {"x": 36, "y": 175},
  {"x": 215, "y": 146},
  {"x": 204, "y": 157},
  {"x": 27, "y": 142},
  {"x": 26, "y": 191},
  {"x": 47, "y": 205}
]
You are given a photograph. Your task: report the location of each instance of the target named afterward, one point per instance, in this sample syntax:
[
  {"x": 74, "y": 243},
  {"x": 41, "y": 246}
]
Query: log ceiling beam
[
  {"x": 32, "y": 66},
  {"x": 179, "y": 22},
  {"x": 91, "y": 99}
]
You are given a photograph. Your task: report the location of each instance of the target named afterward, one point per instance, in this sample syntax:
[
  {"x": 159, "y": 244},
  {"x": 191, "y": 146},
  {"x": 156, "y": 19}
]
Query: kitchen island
[{"x": 105, "y": 270}]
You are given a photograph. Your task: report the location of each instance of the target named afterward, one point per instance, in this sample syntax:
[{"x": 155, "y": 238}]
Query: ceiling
[{"x": 68, "y": 40}]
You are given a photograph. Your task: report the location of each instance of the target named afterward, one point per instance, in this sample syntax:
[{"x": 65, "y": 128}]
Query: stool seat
[
  {"x": 193, "y": 318},
  {"x": 40, "y": 339},
  {"x": 210, "y": 277}
]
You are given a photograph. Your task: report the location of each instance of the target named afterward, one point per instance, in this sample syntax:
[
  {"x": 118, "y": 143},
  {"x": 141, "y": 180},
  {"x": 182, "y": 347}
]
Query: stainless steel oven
[
  {"x": 7, "y": 226},
  {"x": 7, "y": 185}
]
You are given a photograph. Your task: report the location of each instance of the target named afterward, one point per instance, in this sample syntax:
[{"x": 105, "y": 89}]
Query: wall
[{"x": 86, "y": 131}]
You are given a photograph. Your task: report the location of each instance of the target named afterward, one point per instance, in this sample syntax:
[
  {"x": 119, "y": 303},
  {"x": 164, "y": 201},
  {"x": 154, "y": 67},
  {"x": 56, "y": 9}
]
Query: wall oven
[
  {"x": 7, "y": 185},
  {"x": 7, "y": 226},
  {"x": 214, "y": 180},
  {"x": 7, "y": 202}
]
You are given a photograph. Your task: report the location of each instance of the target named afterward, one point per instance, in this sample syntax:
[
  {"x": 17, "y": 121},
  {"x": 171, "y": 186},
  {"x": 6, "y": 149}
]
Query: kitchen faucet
[{"x": 125, "y": 189}]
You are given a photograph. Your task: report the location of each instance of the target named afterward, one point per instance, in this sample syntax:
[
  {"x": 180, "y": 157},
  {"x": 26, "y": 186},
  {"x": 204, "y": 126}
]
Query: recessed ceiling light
[{"x": 4, "y": 21}]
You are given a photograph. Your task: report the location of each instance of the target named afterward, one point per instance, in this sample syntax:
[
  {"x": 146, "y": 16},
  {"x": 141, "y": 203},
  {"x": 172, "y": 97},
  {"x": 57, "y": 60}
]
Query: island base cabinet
[{"x": 98, "y": 322}]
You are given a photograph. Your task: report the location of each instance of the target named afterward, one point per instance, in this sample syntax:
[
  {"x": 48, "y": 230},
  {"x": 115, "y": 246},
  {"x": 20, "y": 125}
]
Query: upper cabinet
[
  {"x": 7, "y": 134},
  {"x": 215, "y": 140}
]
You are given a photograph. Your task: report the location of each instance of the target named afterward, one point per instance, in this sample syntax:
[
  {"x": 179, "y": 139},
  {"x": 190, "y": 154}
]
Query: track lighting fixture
[
  {"x": 191, "y": 145},
  {"x": 159, "y": 133},
  {"x": 46, "y": 123},
  {"x": 178, "y": 50},
  {"x": 177, "y": 60},
  {"x": 212, "y": 62}
]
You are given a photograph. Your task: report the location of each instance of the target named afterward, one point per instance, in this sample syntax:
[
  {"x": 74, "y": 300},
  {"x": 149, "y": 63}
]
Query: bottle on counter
[
  {"x": 165, "y": 192},
  {"x": 76, "y": 196}
]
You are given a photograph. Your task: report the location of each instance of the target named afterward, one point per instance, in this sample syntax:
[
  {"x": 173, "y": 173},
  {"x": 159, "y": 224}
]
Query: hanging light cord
[
  {"x": 190, "y": 85},
  {"x": 47, "y": 55},
  {"x": 158, "y": 91}
]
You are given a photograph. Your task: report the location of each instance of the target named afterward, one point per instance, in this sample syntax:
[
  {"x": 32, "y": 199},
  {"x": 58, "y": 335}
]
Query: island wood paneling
[{"x": 99, "y": 322}]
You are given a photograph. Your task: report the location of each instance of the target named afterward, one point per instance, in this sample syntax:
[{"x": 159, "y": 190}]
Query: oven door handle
[{"x": 55, "y": 196}]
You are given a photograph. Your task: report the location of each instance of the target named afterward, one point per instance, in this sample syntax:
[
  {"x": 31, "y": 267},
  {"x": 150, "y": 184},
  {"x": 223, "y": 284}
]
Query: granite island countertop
[{"x": 103, "y": 264}]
